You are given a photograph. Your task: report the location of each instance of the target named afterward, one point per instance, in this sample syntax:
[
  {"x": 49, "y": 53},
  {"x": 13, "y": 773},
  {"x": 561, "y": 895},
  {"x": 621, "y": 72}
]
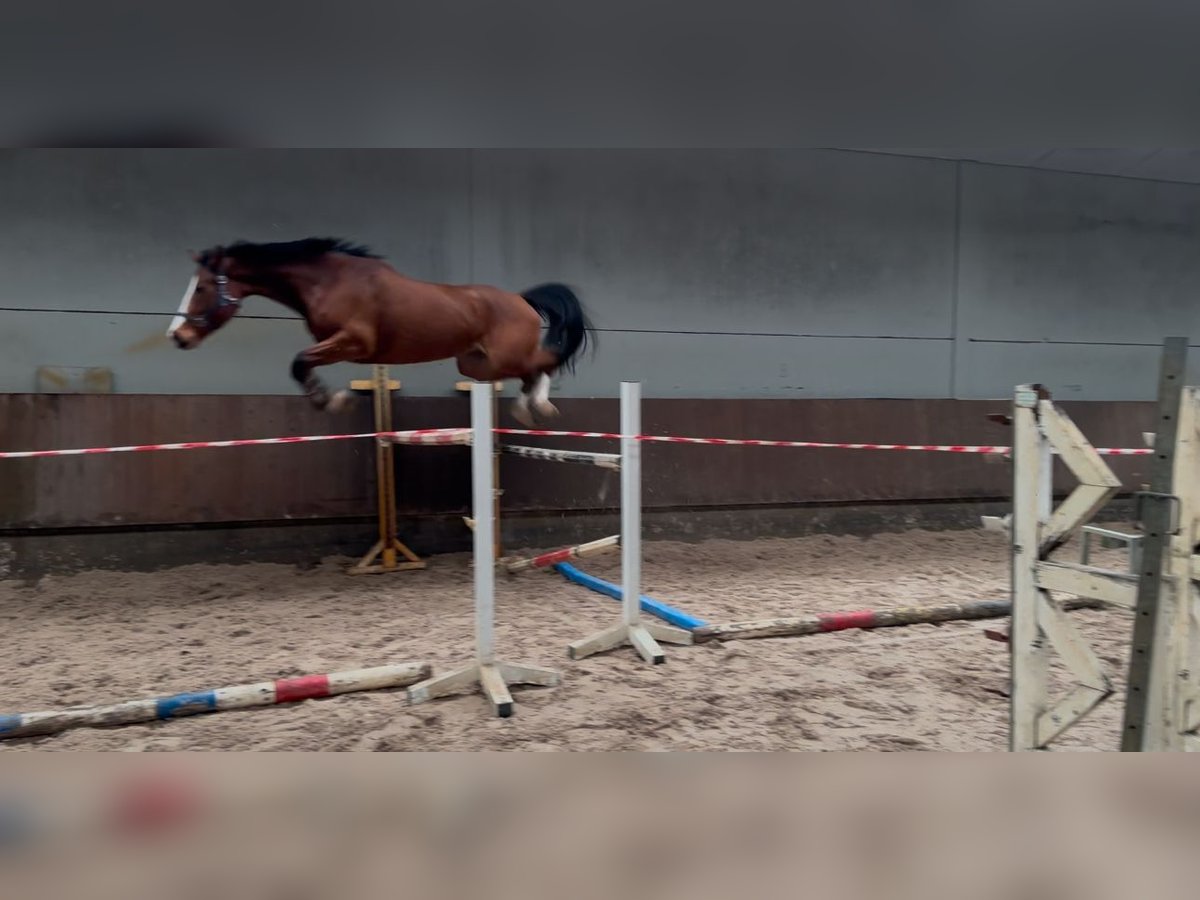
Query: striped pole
[
  {"x": 242, "y": 696},
  {"x": 870, "y": 618},
  {"x": 603, "y": 460},
  {"x": 579, "y": 551}
]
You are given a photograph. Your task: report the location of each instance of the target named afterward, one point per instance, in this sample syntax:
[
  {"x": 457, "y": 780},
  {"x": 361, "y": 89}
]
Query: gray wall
[{"x": 711, "y": 273}]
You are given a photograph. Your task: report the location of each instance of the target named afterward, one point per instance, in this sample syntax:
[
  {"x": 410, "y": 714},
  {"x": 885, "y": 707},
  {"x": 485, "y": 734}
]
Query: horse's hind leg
[
  {"x": 537, "y": 389},
  {"x": 520, "y": 407},
  {"x": 342, "y": 347},
  {"x": 475, "y": 364},
  {"x": 534, "y": 400},
  {"x": 536, "y": 385}
]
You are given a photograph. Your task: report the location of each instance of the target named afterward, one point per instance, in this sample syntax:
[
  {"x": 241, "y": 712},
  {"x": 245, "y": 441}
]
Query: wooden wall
[{"x": 335, "y": 480}]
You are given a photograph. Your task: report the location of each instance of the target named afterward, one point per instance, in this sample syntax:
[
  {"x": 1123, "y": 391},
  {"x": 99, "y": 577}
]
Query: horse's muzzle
[{"x": 181, "y": 342}]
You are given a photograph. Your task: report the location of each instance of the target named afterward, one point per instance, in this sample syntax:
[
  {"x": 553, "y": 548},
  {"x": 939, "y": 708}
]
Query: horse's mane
[{"x": 281, "y": 253}]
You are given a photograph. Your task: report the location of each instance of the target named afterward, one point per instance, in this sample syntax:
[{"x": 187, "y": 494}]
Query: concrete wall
[{"x": 711, "y": 274}]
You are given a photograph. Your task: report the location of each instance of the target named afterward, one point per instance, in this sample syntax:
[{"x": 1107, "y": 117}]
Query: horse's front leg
[{"x": 342, "y": 347}]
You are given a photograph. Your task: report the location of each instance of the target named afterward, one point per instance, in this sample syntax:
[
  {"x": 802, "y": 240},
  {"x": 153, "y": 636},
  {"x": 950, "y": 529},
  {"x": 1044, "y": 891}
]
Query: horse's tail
[{"x": 568, "y": 329}]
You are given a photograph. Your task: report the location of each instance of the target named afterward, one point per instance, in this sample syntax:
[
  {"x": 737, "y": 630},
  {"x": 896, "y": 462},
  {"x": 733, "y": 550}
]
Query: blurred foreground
[{"x": 928, "y": 827}]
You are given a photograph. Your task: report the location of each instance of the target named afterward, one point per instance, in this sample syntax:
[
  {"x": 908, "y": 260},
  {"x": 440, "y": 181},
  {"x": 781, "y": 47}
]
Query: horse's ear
[{"x": 195, "y": 256}]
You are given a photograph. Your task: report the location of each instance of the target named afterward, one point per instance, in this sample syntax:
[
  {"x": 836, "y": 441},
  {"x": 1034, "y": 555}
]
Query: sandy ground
[{"x": 104, "y": 637}]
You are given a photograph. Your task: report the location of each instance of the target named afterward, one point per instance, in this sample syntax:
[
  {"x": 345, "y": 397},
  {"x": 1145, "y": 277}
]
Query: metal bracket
[{"x": 1143, "y": 499}]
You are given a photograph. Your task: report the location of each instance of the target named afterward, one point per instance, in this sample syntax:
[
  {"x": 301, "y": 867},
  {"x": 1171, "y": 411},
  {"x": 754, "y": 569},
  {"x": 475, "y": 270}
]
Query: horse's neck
[{"x": 283, "y": 286}]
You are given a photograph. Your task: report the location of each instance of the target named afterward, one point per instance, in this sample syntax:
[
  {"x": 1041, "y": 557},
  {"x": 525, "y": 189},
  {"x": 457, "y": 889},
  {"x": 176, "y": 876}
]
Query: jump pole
[
  {"x": 642, "y": 636},
  {"x": 243, "y": 696},
  {"x": 870, "y": 619},
  {"x": 389, "y": 543},
  {"x": 603, "y": 460},
  {"x": 492, "y": 676},
  {"x": 552, "y": 558}
]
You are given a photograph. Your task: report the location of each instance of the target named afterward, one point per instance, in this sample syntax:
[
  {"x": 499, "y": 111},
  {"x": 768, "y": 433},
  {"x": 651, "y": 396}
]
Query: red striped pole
[
  {"x": 242, "y": 696},
  {"x": 579, "y": 551},
  {"x": 870, "y": 618}
]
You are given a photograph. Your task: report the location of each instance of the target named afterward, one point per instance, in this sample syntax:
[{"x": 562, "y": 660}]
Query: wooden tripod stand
[{"x": 389, "y": 548}]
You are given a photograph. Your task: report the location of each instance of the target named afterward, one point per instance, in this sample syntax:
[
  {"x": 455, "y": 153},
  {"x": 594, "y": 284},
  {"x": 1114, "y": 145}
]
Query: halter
[{"x": 224, "y": 299}]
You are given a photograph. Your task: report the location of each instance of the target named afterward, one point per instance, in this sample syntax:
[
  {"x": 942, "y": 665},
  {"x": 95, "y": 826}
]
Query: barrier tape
[
  {"x": 818, "y": 445},
  {"x": 421, "y": 436},
  {"x": 435, "y": 436}
]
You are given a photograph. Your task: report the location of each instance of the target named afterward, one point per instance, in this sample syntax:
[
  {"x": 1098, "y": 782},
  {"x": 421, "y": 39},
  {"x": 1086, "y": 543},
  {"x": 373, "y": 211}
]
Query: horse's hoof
[
  {"x": 340, "y": 401},
  {"x": 545, "y": 410},
  {"x": 521, "y": 413}
]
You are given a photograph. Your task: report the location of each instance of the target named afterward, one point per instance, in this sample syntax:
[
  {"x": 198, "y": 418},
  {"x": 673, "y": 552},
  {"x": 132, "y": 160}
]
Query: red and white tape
[
  {"x": 818, "y": 445},
  {"x": 422, "y": 436},
  {"x": 427, "y": 436}
]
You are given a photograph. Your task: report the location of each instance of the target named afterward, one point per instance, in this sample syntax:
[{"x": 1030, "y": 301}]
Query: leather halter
[{"x": 224, "y": 299}]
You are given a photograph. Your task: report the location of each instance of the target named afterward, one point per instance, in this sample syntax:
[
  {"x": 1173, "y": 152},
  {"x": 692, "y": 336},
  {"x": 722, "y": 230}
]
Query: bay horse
[{"x": 361, "y": 310}]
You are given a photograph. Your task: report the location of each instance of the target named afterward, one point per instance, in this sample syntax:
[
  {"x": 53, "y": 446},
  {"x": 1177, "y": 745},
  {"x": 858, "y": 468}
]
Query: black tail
[{"x": 569, "y": 330}]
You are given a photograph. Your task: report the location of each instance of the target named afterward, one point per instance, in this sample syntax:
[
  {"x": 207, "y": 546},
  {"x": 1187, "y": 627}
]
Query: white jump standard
[
  {"x": 492, "y": 676},
  {"x": 643, "y": 636}
]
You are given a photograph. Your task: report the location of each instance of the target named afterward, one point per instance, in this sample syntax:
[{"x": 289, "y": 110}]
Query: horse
[{"x": 360, "y": 309}]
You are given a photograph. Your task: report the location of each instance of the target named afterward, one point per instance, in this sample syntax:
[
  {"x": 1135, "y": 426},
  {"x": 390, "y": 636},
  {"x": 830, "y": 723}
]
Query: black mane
[{"x": 283, "y": 252}]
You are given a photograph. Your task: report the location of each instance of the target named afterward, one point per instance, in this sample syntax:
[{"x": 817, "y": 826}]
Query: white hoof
[
  {"x": 545, "y": 409},
  {"x": 520, "y": 412},
  {"x": 340, "y": 401}
]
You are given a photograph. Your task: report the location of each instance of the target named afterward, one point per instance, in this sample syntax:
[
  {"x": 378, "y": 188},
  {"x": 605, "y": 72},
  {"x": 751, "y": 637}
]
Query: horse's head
[{"x": 212, "y": 298}]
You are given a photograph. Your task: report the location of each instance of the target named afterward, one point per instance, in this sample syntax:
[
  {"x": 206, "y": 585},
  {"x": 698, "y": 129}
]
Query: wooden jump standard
[
  {"x": 1162, "y": 707},
  {"x": 389, "y": 546}
]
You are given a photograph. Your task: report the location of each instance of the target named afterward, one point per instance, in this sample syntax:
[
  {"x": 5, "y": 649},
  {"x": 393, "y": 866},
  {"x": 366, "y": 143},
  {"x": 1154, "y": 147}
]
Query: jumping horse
[{"x": 361, "y": 310}]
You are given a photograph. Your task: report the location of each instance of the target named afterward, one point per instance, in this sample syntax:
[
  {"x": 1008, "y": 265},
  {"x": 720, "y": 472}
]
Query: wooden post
[
  {"x": 1182, "y": 629},
  {"x": 1029, "y": 654},
  {"x": 1039, "y": 625},
  {"x": 389, "y": 547},
  {"x": 1149, "y": 714}
]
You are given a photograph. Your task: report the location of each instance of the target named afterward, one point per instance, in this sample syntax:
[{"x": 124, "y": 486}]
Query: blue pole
[{"x": 667, "y": 613}]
